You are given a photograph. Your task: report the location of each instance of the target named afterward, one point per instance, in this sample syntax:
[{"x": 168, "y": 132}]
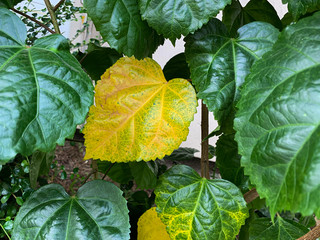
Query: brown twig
[
  {"x": 55, "y": 8},
  {"x": 251, "y": 195},
  {"x": 34, "y": 20},
  {"x": 312, "y": 235},
  {"x": 205, "y": 143}
]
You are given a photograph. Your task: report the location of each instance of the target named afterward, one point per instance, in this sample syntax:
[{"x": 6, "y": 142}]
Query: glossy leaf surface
[
  {"x": 177, "y": 67},
  {"x": 235, "y": 15},
  {"x": 219, "y": 63},
  {"x": 9, "y": 3},
  {"x": 196, "y": 208},
  {"x": 150, "y": 227},
  {"x": 300, "y": 7},
  {"x": 119, "y": 23},
  {"x": 138, "y": 114},
  {"x": 50, "y": 213},
  {"x": 118, "y": 172},
  {"x": 98, "y": 60},
  {"x": 282, "y": 229},
  {"x": 173, "y": 18},
  {"x": 182, "y": 154},
  {"x": 40, "y": 164},
  {"x": 278, "y": 121},
  {"x": 228, "y": 159},
  {"x": 145, "y": 174},
  {"x": 44, "y": 93}
]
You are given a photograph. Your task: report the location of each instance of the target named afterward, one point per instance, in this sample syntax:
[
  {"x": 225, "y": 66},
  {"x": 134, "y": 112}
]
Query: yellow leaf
[
  {"x": 138, "y": 115},
  {"x": 150, "y": 227}
]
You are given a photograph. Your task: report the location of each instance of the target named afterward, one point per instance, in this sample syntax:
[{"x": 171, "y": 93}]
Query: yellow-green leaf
[
  {"x": 150, "y": 227},
  {"x": 195, "y": 208},
  {"x": 138, "y": 115}
]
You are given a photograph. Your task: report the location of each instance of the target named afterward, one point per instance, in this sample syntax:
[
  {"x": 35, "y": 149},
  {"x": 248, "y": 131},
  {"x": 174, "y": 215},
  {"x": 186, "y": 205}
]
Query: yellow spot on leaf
[
  {"x": 150, "y": 227},
  {"x": 138, "y": 115}
]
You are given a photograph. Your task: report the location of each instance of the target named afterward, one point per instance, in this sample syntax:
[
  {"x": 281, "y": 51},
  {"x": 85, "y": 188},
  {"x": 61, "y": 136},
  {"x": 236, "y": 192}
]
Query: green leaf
[
  {"x": 197, "y": 208},
  {"x": 9, "y": 3},
  {"x": 44, "y": 93},
  {"x": 177, "y": 67},
  {"x": 145, "y": 174},
  {"x": 98, "y": 60},
  {"x": 173, "y": 18},
  {"x": 278, "y": 121},
  {"x": 119, "y": 23},
  {"x": 282, "y": 229},
  {"x": 235, "y": 16},
  {"x": 118, "y": 172},
  {"x": 301, "y": 7},
  {"x": 219, "y": 63},
  {"x": 50, "y": 213},
  {"x": 182, "y": 154},
  {"x": 5, "y": 198},
  {"x": 40, "y": 164},
  {"x": 228, "y": 159},
  {"x": 19, "y": 201}
]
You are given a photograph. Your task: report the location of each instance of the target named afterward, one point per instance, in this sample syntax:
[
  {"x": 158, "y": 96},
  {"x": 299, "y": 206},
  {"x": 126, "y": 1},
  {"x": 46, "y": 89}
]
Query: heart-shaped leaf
[
  {"x": 219, "y": 63},
  {"x": 197, "y": 208},
  {"x": 235, "y": 16},
  {"x": 173, "y": 18},
  {"x": 119, "y": 23},
  {"x": 98, "y": 211},
  {"x": 282, "y": 229},
  {"x": 44, "y": 93},
  {"x": 278, "y": 121},
  {"x": 138, "y": 115}
]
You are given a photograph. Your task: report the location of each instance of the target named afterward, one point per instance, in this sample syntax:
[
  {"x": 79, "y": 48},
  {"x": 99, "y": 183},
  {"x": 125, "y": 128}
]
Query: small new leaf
[
  {"x": 197, "y": 208},
  {"x": 138, "y": 115}
]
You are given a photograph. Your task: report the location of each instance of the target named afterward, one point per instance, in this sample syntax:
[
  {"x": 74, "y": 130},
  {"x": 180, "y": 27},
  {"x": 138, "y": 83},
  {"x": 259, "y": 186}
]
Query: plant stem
[
  {"x": 95, "y": 169},
  {"x": 108, "y": 170},
  {"x": 5, "y": 231},
  {"x": 205, "y": 143},
  {"x": 53, "y": 16},
  {"x": 251, "y": 195},
  {"x": 312, "y": 235},
  {"x": 88, "y": 176},
  {"x": 34, "y": 20}
]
